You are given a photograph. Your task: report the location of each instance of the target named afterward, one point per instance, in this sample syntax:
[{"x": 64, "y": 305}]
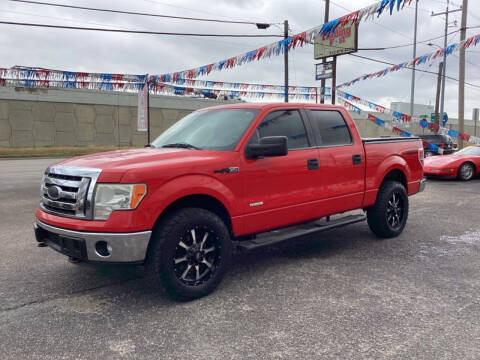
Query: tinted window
[
  {"x": 331, "y": 126},
  {"x": 283, "y": 123},
  {"x": 219, "y": 129}
]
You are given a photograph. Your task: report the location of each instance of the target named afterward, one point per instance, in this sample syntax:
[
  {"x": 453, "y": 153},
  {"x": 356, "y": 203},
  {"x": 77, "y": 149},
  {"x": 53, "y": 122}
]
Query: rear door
[{"x": 341, "y": 160}]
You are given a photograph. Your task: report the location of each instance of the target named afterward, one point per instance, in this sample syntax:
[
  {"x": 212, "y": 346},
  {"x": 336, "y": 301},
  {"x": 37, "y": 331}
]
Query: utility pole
[
  {"x": 447, "y": 11},
  {"x": 437, "y": 99},
  {"x": 334, "y": 79},
  {"x": 461, "y": 71},
  {"x": 285, "y": 58},
  {"x": 475, "y": 116},
  {"x": 322, "y": 83},
  {"x": 412, "y": 91}
]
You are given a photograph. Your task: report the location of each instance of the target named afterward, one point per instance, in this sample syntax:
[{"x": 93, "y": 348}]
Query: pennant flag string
[
  {"x": 155, "y": 79},
  {"x": 20, "y": 73},
  {"x": 348, "y": 98},
  {"x": 290, "y": 43},
  {"x": 158, "y": 89},
  {"x": 385, "y": 124},
  {"x": 423, "y": 59}
]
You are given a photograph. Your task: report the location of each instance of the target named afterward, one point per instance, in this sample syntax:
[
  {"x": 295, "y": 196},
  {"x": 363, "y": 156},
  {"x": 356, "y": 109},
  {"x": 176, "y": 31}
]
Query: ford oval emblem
[{"x": 54, "y": 192}]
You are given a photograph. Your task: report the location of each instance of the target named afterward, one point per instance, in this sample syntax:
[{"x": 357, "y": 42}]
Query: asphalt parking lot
[{"x": 344, "y": 294}]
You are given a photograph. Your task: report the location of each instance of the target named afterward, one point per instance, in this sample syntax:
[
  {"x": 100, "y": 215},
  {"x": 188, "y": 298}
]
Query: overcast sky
[{"x": 155, "y": 54}]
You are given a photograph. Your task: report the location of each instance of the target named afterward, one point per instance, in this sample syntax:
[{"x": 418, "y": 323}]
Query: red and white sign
[{"x": 142, "y": 120}]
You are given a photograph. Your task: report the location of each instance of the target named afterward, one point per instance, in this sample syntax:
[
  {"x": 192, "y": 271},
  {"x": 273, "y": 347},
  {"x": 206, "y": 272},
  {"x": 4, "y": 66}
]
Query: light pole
[
  {"x": 461, "y": 74},
  {"x": 447, "y": 11},
  {"x": 285, "y": 53},
  {"x": 412, "y": 91}
]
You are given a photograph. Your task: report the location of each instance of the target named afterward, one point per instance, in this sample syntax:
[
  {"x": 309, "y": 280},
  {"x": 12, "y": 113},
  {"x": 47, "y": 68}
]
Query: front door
[{"x": 279, "y": 190}]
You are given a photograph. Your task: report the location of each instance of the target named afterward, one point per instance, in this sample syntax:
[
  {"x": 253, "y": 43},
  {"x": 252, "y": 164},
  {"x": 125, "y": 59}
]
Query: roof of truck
[{"x": 266, "y": 106}]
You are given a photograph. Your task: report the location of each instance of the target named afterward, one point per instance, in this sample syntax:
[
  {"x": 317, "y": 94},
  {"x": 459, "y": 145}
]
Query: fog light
[{"x": 103, "y": 249}]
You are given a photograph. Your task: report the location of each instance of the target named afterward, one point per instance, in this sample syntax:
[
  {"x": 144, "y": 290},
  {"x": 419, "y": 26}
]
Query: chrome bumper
[
  {"x": 125, "y": 247},
  {"x": 423, "y": 183}
]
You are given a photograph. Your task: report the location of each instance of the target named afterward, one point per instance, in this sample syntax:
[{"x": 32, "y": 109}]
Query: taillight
[
  {"x": 421, "y": 155},
  {"x": 442, "y": 145}
]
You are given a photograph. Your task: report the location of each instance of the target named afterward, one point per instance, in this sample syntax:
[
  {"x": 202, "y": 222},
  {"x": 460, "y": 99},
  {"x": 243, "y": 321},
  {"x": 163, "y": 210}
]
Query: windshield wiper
[
  {"x": 149, "y": 146},
  {"x": 181, "y": 145}
]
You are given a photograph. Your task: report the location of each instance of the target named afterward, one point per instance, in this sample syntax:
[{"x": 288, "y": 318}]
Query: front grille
[{"x": 68, "y": 191}]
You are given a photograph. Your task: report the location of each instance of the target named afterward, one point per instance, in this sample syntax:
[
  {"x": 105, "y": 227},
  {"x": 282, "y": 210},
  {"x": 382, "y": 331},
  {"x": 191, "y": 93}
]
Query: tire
[
  {"x": 190, "y": 253},
  {"x": 466, "y": 171},
  {"x": 428, "y": 154},
  {"x": 387, "y": 218}
]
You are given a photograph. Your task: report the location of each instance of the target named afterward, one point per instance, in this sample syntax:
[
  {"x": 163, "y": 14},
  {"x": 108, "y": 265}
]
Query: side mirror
[{"x": 267, "y": 147}]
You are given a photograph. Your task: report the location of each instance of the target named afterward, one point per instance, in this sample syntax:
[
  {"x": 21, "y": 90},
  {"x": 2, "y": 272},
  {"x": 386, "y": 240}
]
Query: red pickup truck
[{"x": 223, "y": 178}]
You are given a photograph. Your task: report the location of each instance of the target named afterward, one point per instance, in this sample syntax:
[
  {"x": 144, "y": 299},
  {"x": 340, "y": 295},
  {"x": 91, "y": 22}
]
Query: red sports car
[{"x": 464, "y": 164}]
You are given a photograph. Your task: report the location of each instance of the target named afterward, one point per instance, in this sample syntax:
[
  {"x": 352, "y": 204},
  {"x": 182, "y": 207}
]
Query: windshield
[
  {"x": 471, "y": 150},
  {"x": 208, "y": 130}
]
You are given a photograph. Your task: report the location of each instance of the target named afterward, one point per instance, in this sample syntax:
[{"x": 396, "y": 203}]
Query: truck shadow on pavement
[{"x": 353, "y": 241}]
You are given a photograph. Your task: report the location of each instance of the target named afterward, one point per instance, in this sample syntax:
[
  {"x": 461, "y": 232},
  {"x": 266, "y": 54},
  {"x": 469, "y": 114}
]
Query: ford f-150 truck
[{"x": 223, "y": 178}]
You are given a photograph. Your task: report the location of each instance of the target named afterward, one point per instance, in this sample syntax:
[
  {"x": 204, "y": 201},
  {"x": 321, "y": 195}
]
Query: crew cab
[{"x": 224, "y": 178}]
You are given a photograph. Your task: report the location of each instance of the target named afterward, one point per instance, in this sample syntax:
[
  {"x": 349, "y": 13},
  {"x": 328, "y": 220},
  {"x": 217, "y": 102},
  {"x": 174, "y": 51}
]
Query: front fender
[{"x": 187, "y": 185}]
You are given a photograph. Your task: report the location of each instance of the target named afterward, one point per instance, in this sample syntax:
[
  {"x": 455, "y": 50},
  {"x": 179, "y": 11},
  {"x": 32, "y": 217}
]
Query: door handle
[
  {"x": 312, "y": 164},
  {"x": 357, "y": 159}
]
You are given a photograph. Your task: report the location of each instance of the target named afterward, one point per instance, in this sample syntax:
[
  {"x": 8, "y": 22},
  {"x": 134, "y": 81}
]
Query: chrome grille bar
[
  {"x": 61, "y": 182},
  {"x": 64, "y": 194},
  {"x": 59, "y": 204},
  {"x": 68, "y": 191}
]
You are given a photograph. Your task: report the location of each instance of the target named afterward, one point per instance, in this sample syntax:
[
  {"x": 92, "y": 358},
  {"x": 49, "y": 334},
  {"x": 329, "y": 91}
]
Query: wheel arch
[
  {"x": 202, "y": 201},
  {"x": 396, "y": 175}
]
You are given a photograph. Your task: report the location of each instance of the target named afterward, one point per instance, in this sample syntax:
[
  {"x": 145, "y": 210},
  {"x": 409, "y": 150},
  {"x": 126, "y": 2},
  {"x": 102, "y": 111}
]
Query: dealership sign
[
  {"x": 343, "y": 41},
  {"x": 323, "y": 70}
]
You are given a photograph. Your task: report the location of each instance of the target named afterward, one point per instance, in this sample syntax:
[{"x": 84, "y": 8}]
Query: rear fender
[{"x": 374, "y": 181}]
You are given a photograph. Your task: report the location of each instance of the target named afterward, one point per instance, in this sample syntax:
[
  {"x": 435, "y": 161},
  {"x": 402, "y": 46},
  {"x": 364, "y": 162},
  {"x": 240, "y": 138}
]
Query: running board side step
[{"x": 296, "y": 231}]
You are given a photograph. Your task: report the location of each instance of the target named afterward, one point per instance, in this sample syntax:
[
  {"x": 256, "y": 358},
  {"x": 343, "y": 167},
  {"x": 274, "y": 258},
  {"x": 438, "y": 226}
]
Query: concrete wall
[
  {"x": 44, "y": 117},
  {"x": 40, "y": 117}
]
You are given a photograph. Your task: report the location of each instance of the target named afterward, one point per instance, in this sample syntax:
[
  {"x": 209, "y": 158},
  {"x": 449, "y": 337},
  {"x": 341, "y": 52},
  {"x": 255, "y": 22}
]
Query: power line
[
  {"x": 54, "y": 18},
  {"x": 408, "y": 67},
  {"x": 135, "y": 31},
  {"x": 191, "y": 10},
  {"x": 133, "y": 13}
]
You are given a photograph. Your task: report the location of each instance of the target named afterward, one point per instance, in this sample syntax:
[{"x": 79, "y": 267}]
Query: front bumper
[{"x": 125, "y": 247}]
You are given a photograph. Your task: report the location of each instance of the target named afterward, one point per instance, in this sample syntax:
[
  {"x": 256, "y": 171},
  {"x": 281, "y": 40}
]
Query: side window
[
  {"x": 283, "y": 123},
  {"x": 331, "y": 126}
]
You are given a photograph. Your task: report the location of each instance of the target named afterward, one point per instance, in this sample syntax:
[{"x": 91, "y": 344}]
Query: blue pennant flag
[
  {"x": 106, "y": 77},
  {"x": 453, "y": 133}
]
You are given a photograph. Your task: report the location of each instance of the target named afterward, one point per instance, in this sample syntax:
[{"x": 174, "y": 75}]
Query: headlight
[{"x": 112, "y": 197}]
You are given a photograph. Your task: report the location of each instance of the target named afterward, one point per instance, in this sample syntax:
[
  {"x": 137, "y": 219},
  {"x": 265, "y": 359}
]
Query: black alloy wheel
[
  {"x": 190, "y": 253},
  {"x": 395, "y": 210},
  {"x": 388, "y": 216},
  {"x": 197, "y": 256}
]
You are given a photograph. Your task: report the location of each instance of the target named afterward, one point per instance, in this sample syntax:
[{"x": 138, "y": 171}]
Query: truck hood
[{"x": 114, "y": 164}]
